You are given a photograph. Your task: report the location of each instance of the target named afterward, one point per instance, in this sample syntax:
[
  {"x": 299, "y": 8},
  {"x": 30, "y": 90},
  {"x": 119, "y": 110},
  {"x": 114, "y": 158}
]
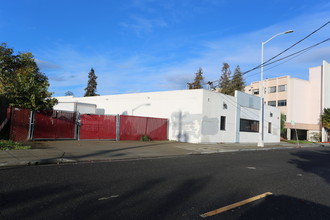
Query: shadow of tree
[
  {"x": 284, "y": 207},
  {"x": 313, "y": 161},
  {"x": 76, "y": 201}
]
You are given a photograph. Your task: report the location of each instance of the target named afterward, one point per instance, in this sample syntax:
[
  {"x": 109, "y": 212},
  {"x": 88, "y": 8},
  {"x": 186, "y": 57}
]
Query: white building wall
[
  {"x": 298, "y": 107},
  {"x": 83, "y": 108},
  {"x": 249, "y": 109},
  {"x": 216, "y": 105},
  {"x": 183, "y": 108},
  {"x": 325, "y": 94}
]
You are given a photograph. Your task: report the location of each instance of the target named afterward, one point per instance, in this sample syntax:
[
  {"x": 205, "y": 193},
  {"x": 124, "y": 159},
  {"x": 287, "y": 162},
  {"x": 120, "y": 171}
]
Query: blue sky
[{"x": 157, "y": 45}]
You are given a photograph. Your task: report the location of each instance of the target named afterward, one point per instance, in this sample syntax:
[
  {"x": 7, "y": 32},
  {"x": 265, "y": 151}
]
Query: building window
[
  {"x": 224, "y": 106},
  {"x": 249, "y": 125},
  {"x": 223, "y": 123},
  {"x": 272, "y": 103},
  {"x": 255, "y": 91},
  {"x": 282, "y": 88},
  {"x": 272, "y": 89},
  {"x": 281, "y": 103},
  {"x": 269, "y": 127}
]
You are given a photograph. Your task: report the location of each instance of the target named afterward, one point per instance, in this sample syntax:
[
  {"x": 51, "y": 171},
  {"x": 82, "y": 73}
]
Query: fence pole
[
  {"x": 77, "y": 127},
  {"x": 31, "y": 125},
  {"x": 117, "y": 127}
]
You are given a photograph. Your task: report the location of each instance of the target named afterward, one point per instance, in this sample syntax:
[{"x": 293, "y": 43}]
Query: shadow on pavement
[
  {"x": 316, "y": 162},
  {"x": 284, "y": 207},
  {"x": 69, "y": 201}
]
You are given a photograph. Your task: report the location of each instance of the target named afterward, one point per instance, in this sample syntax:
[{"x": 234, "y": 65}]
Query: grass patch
[
  {"x": 11, "y": 145},
  {"x": 300, "y": 142}
]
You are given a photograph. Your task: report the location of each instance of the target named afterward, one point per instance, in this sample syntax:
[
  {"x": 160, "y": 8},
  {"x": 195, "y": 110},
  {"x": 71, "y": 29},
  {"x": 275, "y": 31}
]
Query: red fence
[
  {"x": 133, "y": 127},
  {"x": 97, "y": 127},
  {"x": 63, "y": 125},
  {"x": 54, "y": 125},
  {"x": 19, "y": 125}
]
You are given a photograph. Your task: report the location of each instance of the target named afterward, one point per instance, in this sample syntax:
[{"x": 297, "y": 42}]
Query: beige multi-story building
[{"x": 302, "y": 101}]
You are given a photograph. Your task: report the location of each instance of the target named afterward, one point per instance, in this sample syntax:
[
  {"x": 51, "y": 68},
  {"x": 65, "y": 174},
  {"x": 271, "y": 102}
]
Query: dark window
[
  {"x": 249, "y": 125},
  {"x": 269, "y": 127},
  {"x": 255, "y": 92},
  {"x": 272, "y": 89},
  {"x": 281, "y": 103},
  {"x": 223, "y": 123},
  {"x": 272, "y": 103},
  {"x": 282, "y": 88}
]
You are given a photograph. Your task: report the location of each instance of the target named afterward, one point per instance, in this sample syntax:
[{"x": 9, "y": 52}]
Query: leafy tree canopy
[
  {"x": 21, "y": 82},
  {"x": 325, "y": 118}
]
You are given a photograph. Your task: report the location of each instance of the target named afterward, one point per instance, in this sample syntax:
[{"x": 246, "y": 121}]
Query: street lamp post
[{"x": 261, "y": 113}]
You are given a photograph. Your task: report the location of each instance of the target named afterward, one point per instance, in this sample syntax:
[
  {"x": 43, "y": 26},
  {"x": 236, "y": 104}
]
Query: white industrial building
[{"x": 195, "y": 116}]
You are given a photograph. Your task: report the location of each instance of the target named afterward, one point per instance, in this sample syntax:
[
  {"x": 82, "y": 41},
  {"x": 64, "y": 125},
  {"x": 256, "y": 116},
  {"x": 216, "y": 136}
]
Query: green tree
[
  {"x": 197, "y": 84},
  {"x": 237, "y": 82},
  {"x": 325, "y": 120},
  {"x": 21, "y": 82},
  {"x": 68, "y": 93},
  {"x": 224, "y": 81},
  {"x": 92, "y": 84},
  {"x": 283, "y": 129}
]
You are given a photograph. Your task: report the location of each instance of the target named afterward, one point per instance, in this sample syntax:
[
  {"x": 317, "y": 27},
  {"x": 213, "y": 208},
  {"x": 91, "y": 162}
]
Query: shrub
[
  {"x": 11, "y": 145},
  {"x": 145, "y": 138}
]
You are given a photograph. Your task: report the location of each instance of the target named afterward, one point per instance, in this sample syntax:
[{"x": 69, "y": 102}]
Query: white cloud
[
  {"x": 149, "y": 72},
  {"x": 142, "y": 25}
]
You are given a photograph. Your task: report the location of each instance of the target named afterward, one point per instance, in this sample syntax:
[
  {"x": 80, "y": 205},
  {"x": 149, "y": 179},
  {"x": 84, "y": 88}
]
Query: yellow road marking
[{"x": 235, "y": 205}]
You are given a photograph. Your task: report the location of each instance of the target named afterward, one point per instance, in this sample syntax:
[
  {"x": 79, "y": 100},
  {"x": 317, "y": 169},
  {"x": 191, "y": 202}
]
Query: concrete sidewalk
[{"x": 52, "y": 152}]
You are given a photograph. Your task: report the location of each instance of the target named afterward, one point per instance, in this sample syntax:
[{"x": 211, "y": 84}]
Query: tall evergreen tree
[
  {"x": 237, "y": 82},
  {"x": 21, "y": 82},
  {"x": 68, "y": 93},
  {"x": 224, "y": 82},
  {"x": 92, "y": 84},
  {"x": 197, "y": 84}
]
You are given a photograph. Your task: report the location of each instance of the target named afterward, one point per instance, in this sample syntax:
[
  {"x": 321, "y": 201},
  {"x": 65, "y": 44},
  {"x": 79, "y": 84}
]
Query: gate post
[
  {"x": 117, "y": 127},
  {"x": 31, "y": 125},
  {"x": 77, "y": 127}
]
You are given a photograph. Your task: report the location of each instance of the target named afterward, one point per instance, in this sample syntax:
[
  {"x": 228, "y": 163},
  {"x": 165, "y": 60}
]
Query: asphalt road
[{"x": 173, "y": 188}]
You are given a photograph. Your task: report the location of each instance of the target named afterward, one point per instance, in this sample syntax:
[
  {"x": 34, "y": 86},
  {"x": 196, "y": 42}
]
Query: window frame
[
  {"x": 272, "y": 89},
  {"x": 281, "y": 105},
  {"x": 253, "y": 125},
  {"x": 280, "y": 86},
  {"x": 255, "y": 91},
  {"x": 272, "y": 102},
  {"x": 222, "y": 123}
]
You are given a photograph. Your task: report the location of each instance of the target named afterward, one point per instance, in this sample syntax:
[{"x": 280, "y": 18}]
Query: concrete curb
[{"x": 38, "y": 162}]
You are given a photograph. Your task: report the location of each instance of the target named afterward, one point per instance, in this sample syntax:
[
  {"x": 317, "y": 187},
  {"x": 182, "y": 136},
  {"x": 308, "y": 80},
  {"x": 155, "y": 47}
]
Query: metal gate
[
  {"x": 20, "y": 124},
  {"x": 133, "y": 127},
  {"x": 52, "y": 124},
  {"x": 98, "y": 127}
]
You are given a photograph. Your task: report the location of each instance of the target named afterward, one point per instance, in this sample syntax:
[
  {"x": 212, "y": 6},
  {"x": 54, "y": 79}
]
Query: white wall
[
  {"x": 183, "y": 108},
  {"x": 249, "y": 109},
  {"x": 83, "y": 108},
  {"x": 216, "y": 105},
  {"x": 298, "y": 101},
  {"x": 65, "y": 106}
]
